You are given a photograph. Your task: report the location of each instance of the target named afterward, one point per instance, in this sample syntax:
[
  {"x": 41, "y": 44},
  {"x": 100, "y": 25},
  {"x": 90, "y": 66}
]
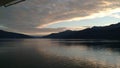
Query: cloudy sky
[{"x": 40, "y": 17}]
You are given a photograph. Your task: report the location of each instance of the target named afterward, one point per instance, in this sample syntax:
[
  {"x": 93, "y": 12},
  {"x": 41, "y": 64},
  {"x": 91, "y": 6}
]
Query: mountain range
[
  {"x": 97, "y": 32},
  {"x": 5, "y": 34}
]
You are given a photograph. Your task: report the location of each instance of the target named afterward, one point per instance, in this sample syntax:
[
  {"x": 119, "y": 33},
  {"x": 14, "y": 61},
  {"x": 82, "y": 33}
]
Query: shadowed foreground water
[{"x": 48, "y": 53}]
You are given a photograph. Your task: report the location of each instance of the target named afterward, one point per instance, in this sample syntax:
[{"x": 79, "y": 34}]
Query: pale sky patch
[{"x": 116, "y": 15}]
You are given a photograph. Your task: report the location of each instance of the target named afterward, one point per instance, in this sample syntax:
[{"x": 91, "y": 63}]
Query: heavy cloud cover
[{"x": 32, "y": 16}]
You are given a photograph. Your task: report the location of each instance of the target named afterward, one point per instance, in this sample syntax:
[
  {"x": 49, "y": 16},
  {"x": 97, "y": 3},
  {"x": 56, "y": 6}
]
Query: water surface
[{"x": 49, "y": 53}]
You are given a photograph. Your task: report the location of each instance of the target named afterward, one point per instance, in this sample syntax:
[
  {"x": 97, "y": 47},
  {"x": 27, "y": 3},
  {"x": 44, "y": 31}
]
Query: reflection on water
[{"x": 48, "y": 53}]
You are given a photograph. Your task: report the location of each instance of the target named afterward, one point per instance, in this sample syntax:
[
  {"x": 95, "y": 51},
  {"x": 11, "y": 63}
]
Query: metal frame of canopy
[{"x": 7, "y": 3}]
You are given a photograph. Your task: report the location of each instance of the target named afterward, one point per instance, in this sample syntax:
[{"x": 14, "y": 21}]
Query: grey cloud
[
  {"x": 25, "y": 16},
  {"x": 42, "y": 31}
]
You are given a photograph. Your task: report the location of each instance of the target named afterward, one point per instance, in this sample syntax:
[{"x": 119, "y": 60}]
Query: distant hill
[
  {"x": 106, "y": 32},
  {"x": 5, "y": 34}
]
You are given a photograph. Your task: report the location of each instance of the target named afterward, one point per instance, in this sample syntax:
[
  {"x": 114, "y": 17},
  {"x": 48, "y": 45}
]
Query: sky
[{"x": 42, "y": 17}]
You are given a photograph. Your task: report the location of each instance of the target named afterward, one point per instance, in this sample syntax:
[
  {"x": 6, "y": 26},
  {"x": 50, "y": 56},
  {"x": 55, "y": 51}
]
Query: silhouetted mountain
[
  {"x": 5, "y": 34},
  {"x": 106, "y": 32}
]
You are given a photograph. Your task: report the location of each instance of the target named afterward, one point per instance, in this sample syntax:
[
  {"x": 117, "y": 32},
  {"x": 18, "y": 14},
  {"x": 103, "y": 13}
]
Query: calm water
[{"x": 48, "y": 53}]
